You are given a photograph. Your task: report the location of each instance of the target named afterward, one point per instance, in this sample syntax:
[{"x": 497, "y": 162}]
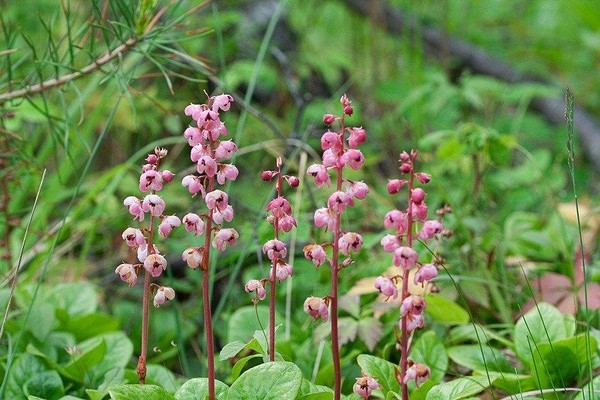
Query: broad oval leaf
[
  {"x": 461, "y": 388},
  {"x": 197, "y": 389},
  {"x": 480, "y": 358},
  {"x": 428, "y": 349},
  {"x": 270, "y": 381},
  {"x": 138, "y": 392},
  {"x": 442, "y": 309},
  {"x": 383, "y": 371}
]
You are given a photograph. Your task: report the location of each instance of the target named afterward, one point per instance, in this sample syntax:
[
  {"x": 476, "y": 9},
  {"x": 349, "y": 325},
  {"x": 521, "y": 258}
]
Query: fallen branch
[{"x": 438, "y": 44}]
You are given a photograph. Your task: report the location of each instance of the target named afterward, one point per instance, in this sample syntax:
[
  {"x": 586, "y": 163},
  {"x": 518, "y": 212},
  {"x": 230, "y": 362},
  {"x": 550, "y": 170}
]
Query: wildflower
[
  {"x": 275, "y": 249},
  {"x": 127, "y": 274},
  {"x": 162, "y": 295},
  {"x": 142, "y": 252},
  {"x": 418, "y": 372},
  {"x": 153, "y": 204},
  {"x": 413, "y": 304},
  {"x": 354, "y": 158},
  {"x": 364, "y": 386},
  {"x": 193, "y": 183},
  {"x": 425, "y": 273},
  {"x": 168, "y": 224},
  {"x": 357, "y": 137},
  {"x": 390, "y": 243},
  {"x": 284, "y": 270},
  {"x": 396, "y": 219},
  {"x": 193, "y": 256},
  {"x": 319, "y": 172},
  {"x": 133, "y": 237},
  {"x": 193, "y": 223},
  {"x": 254, "y": 285},
  {"x": 151, "y": 180},
  {"x": 405, "y": 257},
  {"x": 222, "y": 102},
  {"x": 315, "y": 253},
  {"x": 430, "y": 229},
  {"x": 386, "y": 287},
  {"x": 155, "y": 264},
  {"x": 331, "y": 140},
  {"x": 350, "y": 241},
  {"x": 357, "y": 190},
  {"x": 394, "y": 185},
  {"x": 216, "y": 199},
  {"x": 316, "y": 307},
  {"x": 135, "y": 207},
  {"x": 338, "y": 201},
  {"x": 227, "y": 214},
  {"x": 225, "y": 150},
  {"x": 227, "y": 172},
  {"x": 225, "y": 237}
]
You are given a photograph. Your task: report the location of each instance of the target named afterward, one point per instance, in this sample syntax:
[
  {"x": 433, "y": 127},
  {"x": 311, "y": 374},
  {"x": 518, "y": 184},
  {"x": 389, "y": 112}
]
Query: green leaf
[
  {"x": 442, "y": 309},
  {"x": 76, "y": 299},
  {"x": 542, "y": 324},
  {"x": 429, "y": 350},
  {"x": 309, "y": 388},
  {"x": 460, "y": 388},
  {"x": 231, "y": 350},
  {"x": 161, "y": 376},
  {"x": 138, "y": 392},
  {"x": 240, "y": 364},
  {"x": 197, "y": 389},
  {"x": 89, "y": 325},
  {"x": 274, "y": 381},
  {"x": 383, "y": 371},
  {"x": 46, "y": 384},
  {"x": 24, "y": 368},
  {"x": 480, "y": 357},
  {"x": 513, "y": 383},
  {"x": 562, "y": 361},
  {"x": 85, "y": 357},
  {"x": 243, "y": 323},
  {"x": 119, "y": 351}
]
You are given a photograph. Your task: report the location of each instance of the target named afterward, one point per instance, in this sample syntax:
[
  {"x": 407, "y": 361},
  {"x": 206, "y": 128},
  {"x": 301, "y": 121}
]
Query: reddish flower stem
[
  {"x": 273, "y": 280},
  {"x": 210, "y": 345},
  {"x": 405, "y": 294},
  {"x": 333, "y": 296}
]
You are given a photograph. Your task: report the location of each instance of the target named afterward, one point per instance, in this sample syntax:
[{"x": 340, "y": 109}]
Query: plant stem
[
  {"x": 272, "y": 307},
  {"x": 405, "y": 278},
  {"x": 141, "y": 366}
]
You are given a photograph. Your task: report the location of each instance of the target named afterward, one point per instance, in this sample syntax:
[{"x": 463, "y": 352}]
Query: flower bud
[
  {"x": 417, "y": 195},
  {"x": 293, "y": 181},
  {"x": 267, "y": 175},
  {"x": 162, "y": 295},
  {"x": 328, "y": 119},
  {"x": 423, "y": 177}
]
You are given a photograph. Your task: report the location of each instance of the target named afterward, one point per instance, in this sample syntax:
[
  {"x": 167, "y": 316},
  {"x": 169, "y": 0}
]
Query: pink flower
[
  {"x": 127, "y": 274},
  {"x": 430, "y": 229},
  {"x": 222, "y": 102},
  {"x": 293, "y": 181},
  {"x": 390, "y": 243},
  {"x": 216, "y": 199},
  {"x": 193, "y": 184},
  {"x": 214, "y": 130},
  {"x": 207, "y": 165},
  {"x": 357, "y": 190},
  {"x": 350, "y": 241},
  {"x": 218, "y": 216},
  {"x": 153, "y": 204},
  {"x": 419, "y": 211},
  {"x": 423, "y": 177},
  {"x": 168, "y": 224},
  {"x": 331, "y": 157},
  {"x": 151, "y": 180},
  {"x": 319, "y": 172},
  {"x": 328, "y": 119},
  {"x": 193, "y": 256},
  {"x": 413, "y": 304},
  {"x": 316, "y": 307},
  {"x": 152, "y": 159},
  {"x": 394, "y": 185},
  {"x": 315, "y": 253},
  {"x": 354, "y": 158},
  {"x": 205, "y": 118},
  {"x": 386, "y": 287},
  {"x": 338, "y": 201},
  {"x": 396, "y": 219},
  {"x": 417, "y": 195},
  {"x": 364, "y": 386},
  {"x": 135, "y": 207},
  {"x": 142, "y": 252},
  {"x": 280, "y": 207},
  {"x": 192, "y": 109},
  {"x": 286, "y": 223},
  {"x": 167, "y": 176},
  {"x": 331, "y": 140},
  {"x": 418, "y": 372},
  {"x": 413, "y": 321},
  {"x": 357, "y": 136},
  {"x": 324, "y": 217},
  {"x": 162, "y": 295},
  {"x": 274, "y": 249},
  {"x": 254, "y": 285},
  {"x": 227, "y": 171},
  {"x": 405, "y": 257},
  {"x": 193, "y": 223},
  {"x": 198, "y": 151},
  {"x": 225, "y": 150},
  {"x": 133, "y": 237},
  {"x": 283, "y": 271},
  {"x": 155, "y": 264},
  {"x": 225, "y": 237},
  {"x": 425, "y": 273},
  {"x": 193, "y": 135}
]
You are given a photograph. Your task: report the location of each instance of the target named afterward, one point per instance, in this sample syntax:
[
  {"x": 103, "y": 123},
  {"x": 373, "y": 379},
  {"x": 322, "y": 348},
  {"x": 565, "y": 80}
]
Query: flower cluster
[
  {"x": 279, "y": 215},
  {"x": 209, "y": 153},
  {"x": 400, "y": 244},
  {"x": 339, "y": 151},
  {"x": 152, "y": 180}
]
